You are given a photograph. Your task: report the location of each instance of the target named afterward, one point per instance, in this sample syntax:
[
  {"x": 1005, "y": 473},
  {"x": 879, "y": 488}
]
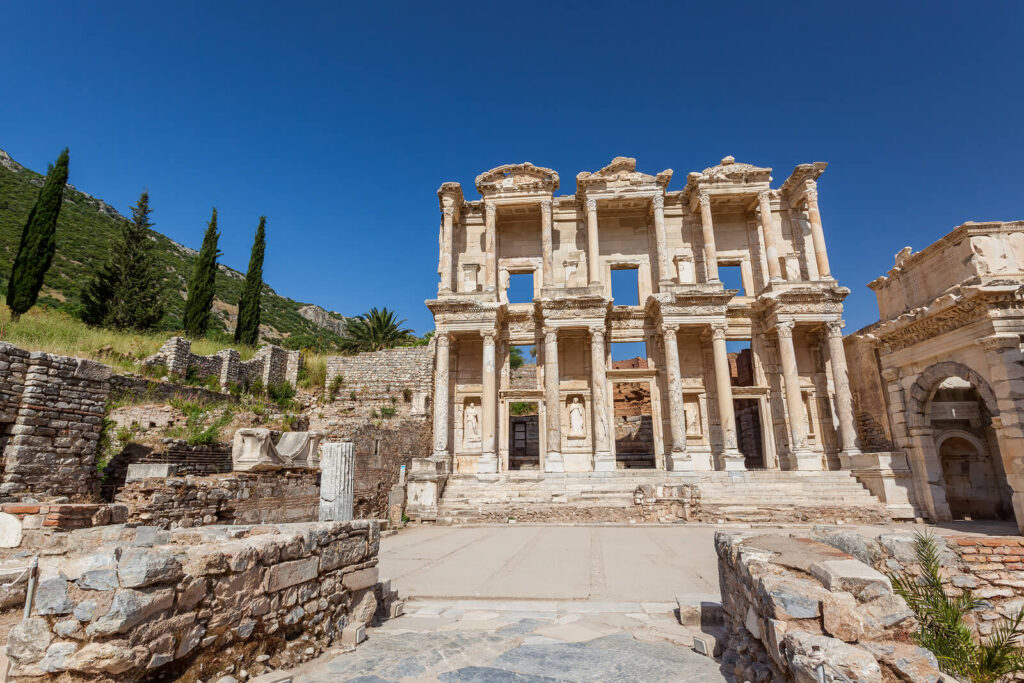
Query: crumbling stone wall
[
  {"x": 380, "y": 452},
  {"x": 50, "y": 422},
  {"x": 144, "y": 604},
  {"x": 384, "y": 372},
  {"x": 794, "y": 604},
  {"x": 869, "y": 405},
  {"x": 270, "y": 364},
  {"x": 156, "y": 391},
  {"x": 237, "y": 498}
]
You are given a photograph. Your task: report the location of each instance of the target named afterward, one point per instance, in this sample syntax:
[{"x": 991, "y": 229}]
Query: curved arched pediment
[
  {"x": 516, "y": 178},
  {"x": 620, "y": 173}
]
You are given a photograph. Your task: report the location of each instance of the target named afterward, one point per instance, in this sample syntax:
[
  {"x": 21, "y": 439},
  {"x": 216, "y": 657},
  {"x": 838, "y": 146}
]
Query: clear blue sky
[{"x": 339, "y": 121}]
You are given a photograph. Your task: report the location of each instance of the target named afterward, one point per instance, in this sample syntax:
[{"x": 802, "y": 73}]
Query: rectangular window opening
[
  {"x": 520, "y": 288},
  {"x": 731, "y": 276},
  {"x": 741, "y": 363},
  {"x": 626, "y": 286},
  {"x": 629, "y": 354}
]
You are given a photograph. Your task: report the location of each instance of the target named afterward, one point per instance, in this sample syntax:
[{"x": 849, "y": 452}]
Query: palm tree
[
  {"x": 943, "y": 628},
  {"x": 373, "y": 331}
]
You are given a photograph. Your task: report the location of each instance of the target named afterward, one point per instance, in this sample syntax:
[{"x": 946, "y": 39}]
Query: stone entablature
[
  {"x": 788, "y": 307},
  {"x": 270, "y": 365},
  {"x": 941, "y": 375}
]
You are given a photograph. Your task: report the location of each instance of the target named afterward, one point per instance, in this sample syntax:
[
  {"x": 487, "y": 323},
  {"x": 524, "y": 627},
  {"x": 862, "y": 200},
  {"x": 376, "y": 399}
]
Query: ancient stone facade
[
  {"x": 940, "y": 378},
  {"x": 270, "y": 365},
  {"x": 680, "y": 244},
  {"x": 50, "y": 423}
]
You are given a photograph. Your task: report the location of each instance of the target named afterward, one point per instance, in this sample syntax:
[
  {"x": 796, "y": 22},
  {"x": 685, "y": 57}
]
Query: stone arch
[
  {"x": 978, "y": 444},
  {"x": 926, "y": 384}
]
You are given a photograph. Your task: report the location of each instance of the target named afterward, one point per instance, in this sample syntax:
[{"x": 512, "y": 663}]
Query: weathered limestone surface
[
  {"x": 270, "y": 365},
  {"x": 253, "y": 449},
  {"x": 139, "y": 603},
  {"x": 337, "y": 482},
  {"x": 793, "y": 603}
]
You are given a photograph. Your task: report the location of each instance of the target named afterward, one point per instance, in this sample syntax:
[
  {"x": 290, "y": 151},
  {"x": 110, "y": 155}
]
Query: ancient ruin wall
[
  {"x": 237, "y": 498},
  {"x": 270, "y": 364},
  {"x": 147, "y": 605},
  {"x": 384, "y": 372},
  {"x": 870, "y": 410},
  {"x": 50, "y": 423}
]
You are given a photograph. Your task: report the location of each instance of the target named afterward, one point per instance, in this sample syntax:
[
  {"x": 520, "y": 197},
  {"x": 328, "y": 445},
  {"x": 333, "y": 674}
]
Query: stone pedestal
[
  {"x": 424, "y": 487},
  {"x": 337, "y": 481},
  {"x": 887, "y": 475}
]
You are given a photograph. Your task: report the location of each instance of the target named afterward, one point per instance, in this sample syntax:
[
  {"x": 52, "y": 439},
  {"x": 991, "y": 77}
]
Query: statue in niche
[
  {"x": 576, "y": 428},
  {"x": 692, "y": 413},
  {"x": 471, "y": 422}
]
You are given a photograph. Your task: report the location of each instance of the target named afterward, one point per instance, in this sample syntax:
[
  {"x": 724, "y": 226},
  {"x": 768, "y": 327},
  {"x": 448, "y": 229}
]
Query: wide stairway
[{"x": 752, "y": 496}]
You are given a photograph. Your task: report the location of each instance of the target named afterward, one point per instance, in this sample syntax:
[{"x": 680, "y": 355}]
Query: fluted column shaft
[
  {"x": 593, "y": 249},
  {"x": 708, "y": 231},
  {"x": 488, "y": 407},
  {"x": 676, "y": 457},
  {"x": 445, "y": 269},
  {"x": 841, "y": 380},
  {"x": 764, "y": 199},
  {"x": 817, "y": 234},
  {"x": 337, "y": 481},
  {"x": 731, "y": 458},
  {"x": 441, "y": 407},
  {"x": 552, "y": 404},
  {"x": 794, "y": 396},
  {"x": 490, "y": 246},
  {"x": 603, "y": 459},
  {"x": 548, "y": 265},
  {"x": 660, "y": 239}
]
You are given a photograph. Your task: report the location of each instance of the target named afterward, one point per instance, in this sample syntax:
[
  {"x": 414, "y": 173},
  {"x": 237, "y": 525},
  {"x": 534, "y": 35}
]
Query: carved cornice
[
  {"x": 511, "y": 179},
  {"x": 621, "y": 173}
]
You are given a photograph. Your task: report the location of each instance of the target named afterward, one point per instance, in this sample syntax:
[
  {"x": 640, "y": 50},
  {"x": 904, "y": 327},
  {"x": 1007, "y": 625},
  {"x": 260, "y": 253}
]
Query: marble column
[
  {"x": 604, "y": 461},
  {"x": 441, "y": 407},
  {"x": 488, "y": 462},
  {"x": 660, "y": 240},
  {"x": 445, "y": 266},
  {"x": 676, "y": 458},
  {"x": 764, "y": 199},
  {"x": 548, "y": 266},
  {"x": 491, "y": 247},
  {"x": 552, "y": 404},
  {"x": 731, "y": 458},
  {"x": 844, "y": 399},
  {"x": 817, "y": 234},
  {"x": 593, "y": 249},
  {"x": 801, "y": 458},
  {"x": 337, "y": 481},
  {"x": 708, "y": 230}
]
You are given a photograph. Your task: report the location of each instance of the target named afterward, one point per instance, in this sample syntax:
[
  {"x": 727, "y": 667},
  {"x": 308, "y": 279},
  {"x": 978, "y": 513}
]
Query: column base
[
  {"x": 604, "y": 462},
  {"x": 553, "y": 462},
  {"x": 680, "y": 461},
  {"x": 804, "y": 460},
  {"x": 487, "y": 464},
  {"x": 846, "y": 458},
  {"x": 732, "y": 460}
]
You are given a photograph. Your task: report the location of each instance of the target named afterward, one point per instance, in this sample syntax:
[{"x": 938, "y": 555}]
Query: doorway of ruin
[
  {"x": 634, "y": 425},
  {"x": 523, "y": 435},
  {"x": 749, "y": 436}
]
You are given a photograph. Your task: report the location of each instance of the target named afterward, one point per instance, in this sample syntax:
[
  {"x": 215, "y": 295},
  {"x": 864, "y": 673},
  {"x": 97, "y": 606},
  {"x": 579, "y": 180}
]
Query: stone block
[
  {"x": 27, "y": 640},
  {"x": 140, "y": 567},
  {"x": 805, "y": 651},
  {"x": 140, "y": 471},
  {"x": 129, "y": 608},
  {"x": 353, "y": 634},
  {"x": 362, "y": 578},
  {"x": 706, "y": 644},
  {"x": 10, "y": 530},
  {"x": 852, "y": 576},
  {"x": 291, "y": 573}
]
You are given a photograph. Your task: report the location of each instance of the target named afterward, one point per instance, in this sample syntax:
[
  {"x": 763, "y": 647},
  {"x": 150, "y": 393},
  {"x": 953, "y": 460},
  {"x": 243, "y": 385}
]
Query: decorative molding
[{"x": 784, "y": 328}]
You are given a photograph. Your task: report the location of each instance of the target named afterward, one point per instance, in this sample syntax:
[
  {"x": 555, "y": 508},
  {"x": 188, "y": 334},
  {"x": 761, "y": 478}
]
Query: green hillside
[{"x": 86, "y": 229}]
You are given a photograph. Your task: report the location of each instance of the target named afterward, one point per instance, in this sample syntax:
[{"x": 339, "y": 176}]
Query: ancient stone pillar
[
  {"x": 548, "y": 265},
  {"x": 604, "y": 461},
  {"x": 676, "y": 457},
  {"x": 552, "y": 404},
  {"x": 817, "y": 234},
  {"x": 441, "y": 407},
  {"x": 801, "y": 457},
  {"x": 708, "y": 230},
  {"x": 844, "y": 400},
  {"x": 491, "y": 247},
  {"x": 593, "y": 251},
  {"x": 488, "y": 461},
  {"x": 660, "y": 240},
  {"x": 731, "y": 458},
  {"x": 447, "y": 227},
  {"x": 764, "y": 198},
  {"x": 337, "y": 481}
]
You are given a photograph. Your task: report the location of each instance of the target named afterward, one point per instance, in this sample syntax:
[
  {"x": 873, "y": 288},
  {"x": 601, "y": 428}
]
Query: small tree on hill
[
  {"x": 201, "y": 284},
  {"x": 247, "y": 329},
  {"x": 127, "y": 292},
  {"x": 373, "y": 331},
  {"x": 38, "y": 241}
]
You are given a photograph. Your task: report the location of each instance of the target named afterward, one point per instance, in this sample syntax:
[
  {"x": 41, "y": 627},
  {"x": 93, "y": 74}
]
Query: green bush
[
  {"x": 281, "y": 393},
  {"x": 388, "y": 411}
]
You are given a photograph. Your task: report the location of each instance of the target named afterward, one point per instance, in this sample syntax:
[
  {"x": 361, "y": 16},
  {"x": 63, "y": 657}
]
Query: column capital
[
  {"x": 488, "y": 335},
  {"x": 811, "y": 191},
  {"x": 835, "y": 328},
  {"x": 597, "y": 332},
  {"x": 670, "y": 328},
  {"x": 491, "y": 208},
  {"x": 764, "y": 196},
  {"x": 658, "y": 201},
  {"x": 448, "y": 211},
  {"x": 705, "y": 200},
  {"x": 591, "y": 204},
  {"x": 443, "y": 337},
  {"x": 550, "y": 334},
  {"x": 784, "y": 328},
  {"x": 545, "y": 205},
  {"x": 718, "y": 330}
]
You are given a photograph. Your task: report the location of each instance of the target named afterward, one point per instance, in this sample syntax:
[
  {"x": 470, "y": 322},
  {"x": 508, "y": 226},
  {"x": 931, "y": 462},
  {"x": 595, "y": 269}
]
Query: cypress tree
[
  {"x": 99, "y": 292},
  {"x": 137, "y": 301},
  {"x": 201, "y": 284},
  {"x": 247, "y": 329},
  {"x": 38, "y": 241}
]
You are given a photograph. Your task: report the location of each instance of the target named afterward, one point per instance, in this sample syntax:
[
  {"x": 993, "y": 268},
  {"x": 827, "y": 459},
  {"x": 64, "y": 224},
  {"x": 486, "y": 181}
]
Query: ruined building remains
[
  {"x": 940, "y": 378},
  {"x": 727, "y": 261}
]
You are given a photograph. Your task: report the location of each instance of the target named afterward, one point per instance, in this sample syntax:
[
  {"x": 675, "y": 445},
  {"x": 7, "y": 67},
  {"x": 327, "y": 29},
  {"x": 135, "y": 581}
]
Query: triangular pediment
[{"x": 517, "y": 179}]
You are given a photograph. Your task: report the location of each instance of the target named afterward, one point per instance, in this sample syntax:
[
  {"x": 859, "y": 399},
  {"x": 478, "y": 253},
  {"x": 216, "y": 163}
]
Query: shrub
[
  {"x": 943, "y": 627},
  {"x": 281, "y": 393},
  {"x": 407, "y": 394},
  {"x": 352, "y": 395},
  {"x": 335, "y": 386},
  {"x": 388, "y": 411}
]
